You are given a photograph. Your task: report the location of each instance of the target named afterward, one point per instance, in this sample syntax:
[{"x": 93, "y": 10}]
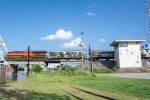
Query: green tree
[{"x": 36, "y": 68}]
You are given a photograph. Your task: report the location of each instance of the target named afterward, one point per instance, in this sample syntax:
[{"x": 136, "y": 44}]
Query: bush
[
  {"x": 70, "y": 71},
  {"x": 36, "y": 68},
  {"x": 114, "y": 68}
]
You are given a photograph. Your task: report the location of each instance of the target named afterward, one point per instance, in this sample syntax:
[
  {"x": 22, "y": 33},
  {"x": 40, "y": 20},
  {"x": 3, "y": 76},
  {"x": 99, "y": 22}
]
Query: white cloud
[
  {"x": 73, "y": 43},
  {"x": 90, "y": 14},
  {"x": 60, "y": 34},
  {"x": 102, "y": 40}
]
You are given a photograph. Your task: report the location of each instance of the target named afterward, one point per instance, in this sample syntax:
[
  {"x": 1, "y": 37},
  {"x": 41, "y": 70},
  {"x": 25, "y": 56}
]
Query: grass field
[{"x": 54, "y": 86}]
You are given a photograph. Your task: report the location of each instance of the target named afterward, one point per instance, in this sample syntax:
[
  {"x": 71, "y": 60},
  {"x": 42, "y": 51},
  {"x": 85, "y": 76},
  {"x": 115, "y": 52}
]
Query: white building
[{"x": 127, "y": 53}]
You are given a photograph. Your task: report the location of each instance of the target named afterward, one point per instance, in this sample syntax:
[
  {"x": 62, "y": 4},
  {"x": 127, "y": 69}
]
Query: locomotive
[{"x": 37, "y": 55}]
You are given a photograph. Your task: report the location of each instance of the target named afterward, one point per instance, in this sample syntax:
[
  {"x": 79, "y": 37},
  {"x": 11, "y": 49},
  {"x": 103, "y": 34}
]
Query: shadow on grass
[
  {"x": 3, "y": 84},
  {"x": 29, "y": 95}
]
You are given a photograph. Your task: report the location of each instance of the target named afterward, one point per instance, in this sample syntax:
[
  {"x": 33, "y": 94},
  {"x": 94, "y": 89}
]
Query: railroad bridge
[
  {"x": 25, "y": 62},
  {"x": 48, "y": 61}
]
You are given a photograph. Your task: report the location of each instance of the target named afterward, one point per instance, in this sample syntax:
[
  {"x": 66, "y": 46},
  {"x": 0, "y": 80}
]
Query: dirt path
[{"x": 129, "y": 75}]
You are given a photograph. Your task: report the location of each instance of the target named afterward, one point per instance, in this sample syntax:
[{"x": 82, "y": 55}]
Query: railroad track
[
  {"x": 88, "y": 93},
  {"x": 77, "y": 97}
]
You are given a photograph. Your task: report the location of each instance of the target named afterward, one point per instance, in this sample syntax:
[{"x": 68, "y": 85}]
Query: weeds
[
  {"x": 70, "y": 71},
  {"x": 105, "y": 70},
  {"x": 66, "y": 74},
  {"x": 102, "y": 70}
]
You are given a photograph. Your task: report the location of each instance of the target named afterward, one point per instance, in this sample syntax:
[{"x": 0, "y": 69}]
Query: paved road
[{"x": 131, "y": 75}]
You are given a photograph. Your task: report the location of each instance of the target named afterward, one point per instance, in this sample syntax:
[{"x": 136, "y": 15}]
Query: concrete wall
[
  {"x": 129, "y": 56},
  {"x": 99, "y": 64},
  {"x": 6, "y": 72},
  {"x": 111, "y": 63}
]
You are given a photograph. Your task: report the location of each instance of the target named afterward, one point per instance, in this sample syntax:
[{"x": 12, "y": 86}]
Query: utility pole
[
  {"x": 148, "y": 24},
  {"x": 82, "y": 46},
  {"x": 28, "y": 60},
  {"x": 90, "y": 59}
]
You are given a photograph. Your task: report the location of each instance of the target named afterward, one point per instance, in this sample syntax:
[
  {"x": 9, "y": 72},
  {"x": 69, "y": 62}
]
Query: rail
[{"x": 89, "y": 93}]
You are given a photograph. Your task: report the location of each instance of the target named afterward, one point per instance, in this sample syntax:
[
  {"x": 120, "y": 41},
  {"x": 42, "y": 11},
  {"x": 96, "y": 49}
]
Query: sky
[{"x": 57, "y": 24}]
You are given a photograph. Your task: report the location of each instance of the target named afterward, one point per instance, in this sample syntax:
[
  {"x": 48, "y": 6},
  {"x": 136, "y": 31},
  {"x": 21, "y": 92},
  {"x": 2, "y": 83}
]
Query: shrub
[
  {"x": 114, "y": 68},
  {"x": 36, "y": 68},
  {"x": 70, "y": 71}
]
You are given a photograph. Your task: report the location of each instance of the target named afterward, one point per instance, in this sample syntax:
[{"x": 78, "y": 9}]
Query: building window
[{"x": 123, "y": 44}]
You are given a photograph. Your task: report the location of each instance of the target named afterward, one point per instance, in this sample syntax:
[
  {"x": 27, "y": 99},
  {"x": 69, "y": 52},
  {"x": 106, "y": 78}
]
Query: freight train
[
  {"x": 42, "y": 55},
  {"x": 37, "y": 55}
]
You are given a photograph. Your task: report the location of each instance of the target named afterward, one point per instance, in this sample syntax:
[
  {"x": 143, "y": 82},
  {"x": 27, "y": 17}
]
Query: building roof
[{"x": 115, "y": 42}]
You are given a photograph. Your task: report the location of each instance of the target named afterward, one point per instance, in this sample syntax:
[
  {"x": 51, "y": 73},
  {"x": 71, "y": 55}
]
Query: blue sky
[{"x": 57, "y": 24}]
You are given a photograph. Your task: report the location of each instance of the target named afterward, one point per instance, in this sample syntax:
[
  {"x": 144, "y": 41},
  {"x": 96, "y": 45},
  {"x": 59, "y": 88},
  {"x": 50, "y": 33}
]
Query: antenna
[{"x": 148, "y": 23}]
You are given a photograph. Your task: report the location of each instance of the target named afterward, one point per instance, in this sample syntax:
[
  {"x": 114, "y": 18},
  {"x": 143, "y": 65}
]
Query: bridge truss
[{"x": 3, "y": 50}]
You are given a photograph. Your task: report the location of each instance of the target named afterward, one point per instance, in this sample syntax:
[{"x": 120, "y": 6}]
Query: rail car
[
  {"x": 145, "y": 53},
  {"x": 98, "y": 54},
  {"x": 23, "y": 55},
  {"x": 67, "y": 55}
]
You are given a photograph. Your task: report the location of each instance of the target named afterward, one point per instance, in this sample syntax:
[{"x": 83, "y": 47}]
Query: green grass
[
  {"x": 53, "y": 86},
  {"x": 33, "y": 90},
  {"x": 102, "y": 70},
  {"x": 126, "y": 86}
]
